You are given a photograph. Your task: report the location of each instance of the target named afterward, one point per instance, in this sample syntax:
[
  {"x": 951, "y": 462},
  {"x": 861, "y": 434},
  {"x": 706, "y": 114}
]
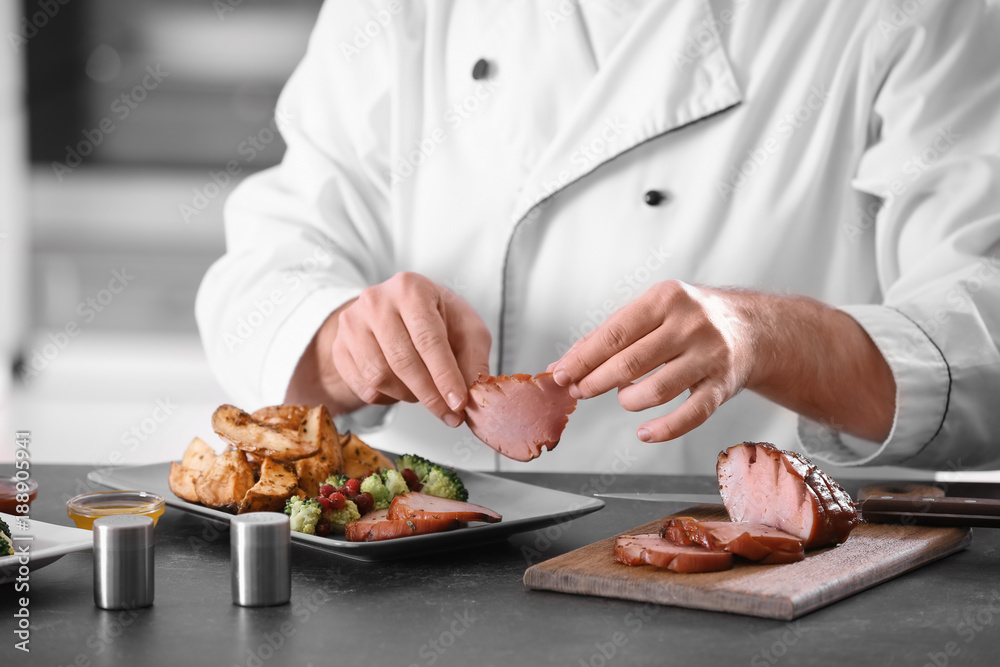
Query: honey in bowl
[{"x": 86, "y": 508}]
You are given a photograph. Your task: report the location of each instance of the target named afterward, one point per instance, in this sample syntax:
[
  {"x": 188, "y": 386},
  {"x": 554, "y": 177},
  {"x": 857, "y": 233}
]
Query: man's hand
[
  {"x": 799, "y": 353},
  {"x": 407, "y": 339}
]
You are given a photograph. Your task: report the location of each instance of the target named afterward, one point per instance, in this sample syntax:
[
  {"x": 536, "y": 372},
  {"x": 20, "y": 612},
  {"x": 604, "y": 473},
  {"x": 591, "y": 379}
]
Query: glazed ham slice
[
  {"x": 377, "y": 526},
  {"x": 421, "y": 506},
  {"x": 519, "y": 415},
  {"x": 751, "y": 541},
  {"x": 651, "y": 549},
  {"x": 762, "y": 484}
]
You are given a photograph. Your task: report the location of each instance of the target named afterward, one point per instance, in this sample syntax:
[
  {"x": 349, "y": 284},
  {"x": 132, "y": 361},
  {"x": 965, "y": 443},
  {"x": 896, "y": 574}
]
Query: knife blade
[
  {"x": 713, "y": 498},
  {"x": 944, "y": 511}
]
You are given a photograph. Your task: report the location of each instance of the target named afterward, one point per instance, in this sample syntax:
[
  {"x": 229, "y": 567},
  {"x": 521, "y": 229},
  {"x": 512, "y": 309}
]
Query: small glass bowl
[
  {"x": 9, "y": 492},
  {"x": 84, "y": 509}
]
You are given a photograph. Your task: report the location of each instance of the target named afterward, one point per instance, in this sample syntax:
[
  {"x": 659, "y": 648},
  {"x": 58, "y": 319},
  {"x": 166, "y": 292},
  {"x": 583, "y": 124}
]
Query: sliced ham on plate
[
  {"x": 415, "y": 505},
  {"x": 762, "y": 484},
  {"x": 651, "y": 549},
  {"x": 519, "y": 415},
  {"x": 751, "y": 541},
  {"x": 377, "y": 526}
]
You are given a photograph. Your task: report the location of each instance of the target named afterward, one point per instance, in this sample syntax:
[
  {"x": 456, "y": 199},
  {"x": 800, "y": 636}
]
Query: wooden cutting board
[{"x": 874, "y": 553}]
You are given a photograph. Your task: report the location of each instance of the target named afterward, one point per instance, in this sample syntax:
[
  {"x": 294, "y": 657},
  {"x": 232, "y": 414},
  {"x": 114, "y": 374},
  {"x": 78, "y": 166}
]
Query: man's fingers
[
  {"x": 663, "y": 386},
  {"x": 407, "y": 364},
  {"x": 470, "y": 341},
  {"x": 692, "y": 413},
  {"x": 367, "y": 386},
  {"x": 623, "y": 328},
  {"x": 473, "y": 356},
  {"x": 429, "y": 334},
  {"x": 630, "y": 364}
]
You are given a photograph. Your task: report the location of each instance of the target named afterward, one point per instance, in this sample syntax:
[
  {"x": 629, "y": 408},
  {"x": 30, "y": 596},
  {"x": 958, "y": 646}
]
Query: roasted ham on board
[
  {"x": 779, "y": 504},
  {"x": 519, "y": 415},
  {"x": 762, "y": 484},
  {"x": 653, "y": 550},
  {"x": 752, "y": 541}
]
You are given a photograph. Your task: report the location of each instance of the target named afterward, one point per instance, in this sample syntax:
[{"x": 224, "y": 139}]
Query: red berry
[
  {"x": 365, "y": 502},
  {"x": 325, "y": 489},
  {"x": 412, "y": 481},
  {"x": 337, "y": 500},
  {"x": 354, "y": 486},
  {"x": 342, "y": 490},
  {"x": 322, "y": 527},
  {"x": 325, "y": 503}
]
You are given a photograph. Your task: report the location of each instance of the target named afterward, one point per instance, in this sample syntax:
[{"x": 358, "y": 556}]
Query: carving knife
[{"x": 907, "y": 510}]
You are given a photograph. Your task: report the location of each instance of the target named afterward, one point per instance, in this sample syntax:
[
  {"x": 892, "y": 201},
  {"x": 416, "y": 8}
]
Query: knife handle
[{"x": 946, "y": 511}]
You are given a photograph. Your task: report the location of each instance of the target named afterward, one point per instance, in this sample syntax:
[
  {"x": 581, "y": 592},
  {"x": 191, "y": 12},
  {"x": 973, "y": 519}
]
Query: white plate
[
  {"x": 50, "y": 543},
  {"x": 524, "y": 507}
]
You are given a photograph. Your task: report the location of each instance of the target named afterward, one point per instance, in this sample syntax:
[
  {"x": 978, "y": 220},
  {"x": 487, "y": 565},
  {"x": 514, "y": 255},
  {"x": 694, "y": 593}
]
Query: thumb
[
  {"x": 471, "y": 343},
  {"x": 473, "y": 361}
]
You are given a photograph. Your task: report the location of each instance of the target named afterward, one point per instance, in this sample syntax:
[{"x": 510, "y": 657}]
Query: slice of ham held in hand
[{"x": 519, "y": 415}]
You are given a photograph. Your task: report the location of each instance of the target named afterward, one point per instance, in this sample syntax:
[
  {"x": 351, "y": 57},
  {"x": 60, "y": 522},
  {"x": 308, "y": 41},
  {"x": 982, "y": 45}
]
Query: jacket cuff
[{"x": 923, "y": 386}]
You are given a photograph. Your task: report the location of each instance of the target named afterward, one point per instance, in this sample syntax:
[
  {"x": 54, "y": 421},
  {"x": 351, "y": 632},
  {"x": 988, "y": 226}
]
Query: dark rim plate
[
  {"x": 524, "y": 507},
  {"x": 49, "y": 543}
]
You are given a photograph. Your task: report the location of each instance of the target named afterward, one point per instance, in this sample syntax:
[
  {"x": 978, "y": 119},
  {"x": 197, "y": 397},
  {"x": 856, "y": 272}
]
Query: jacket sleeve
[
  {"x": 933, "y": 169},
  {"x": 310, "y": 234}
]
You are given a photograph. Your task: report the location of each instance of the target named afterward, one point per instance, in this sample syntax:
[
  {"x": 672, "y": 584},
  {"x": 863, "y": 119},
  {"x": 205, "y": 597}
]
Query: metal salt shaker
[
  {"x": 260, "y": 551},
  {"x": 123, "y": 561}
]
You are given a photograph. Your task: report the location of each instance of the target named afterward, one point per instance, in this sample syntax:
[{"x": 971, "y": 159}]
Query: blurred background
[
  {"x": 117, "y": 121},
  {"x": 122, "y": 123}
]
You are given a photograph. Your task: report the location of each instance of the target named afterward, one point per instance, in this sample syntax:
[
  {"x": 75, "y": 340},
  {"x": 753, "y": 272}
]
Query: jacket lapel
[{"x": 670, "y": 70}]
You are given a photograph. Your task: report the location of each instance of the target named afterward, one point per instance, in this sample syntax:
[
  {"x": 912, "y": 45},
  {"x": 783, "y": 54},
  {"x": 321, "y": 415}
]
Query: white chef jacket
[{"x": 846, "y": 151}]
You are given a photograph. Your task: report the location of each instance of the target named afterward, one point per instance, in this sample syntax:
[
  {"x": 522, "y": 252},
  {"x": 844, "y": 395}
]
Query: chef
[{"x": 665, "y": 203}]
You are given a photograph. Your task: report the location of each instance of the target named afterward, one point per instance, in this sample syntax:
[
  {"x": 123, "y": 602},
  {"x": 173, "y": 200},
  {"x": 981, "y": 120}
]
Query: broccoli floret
[
  {"x": 374, "y": 485},
  {"x": 436, "y": 479},
  {"x": 445, "y": 483},
  {"x": 394, "y": 482},
  {"x": 337, "y": 481},
  {"x": 304, "y": 514},
  {"x": 418, "y": 464},
  {"x": 6, "y": 543},
  {"x": 337, "y": 518}
]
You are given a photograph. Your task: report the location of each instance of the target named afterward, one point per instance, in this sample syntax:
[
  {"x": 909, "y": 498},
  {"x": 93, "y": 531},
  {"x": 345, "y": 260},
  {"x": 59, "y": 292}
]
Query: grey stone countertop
[{"x": 469, "y": 607}]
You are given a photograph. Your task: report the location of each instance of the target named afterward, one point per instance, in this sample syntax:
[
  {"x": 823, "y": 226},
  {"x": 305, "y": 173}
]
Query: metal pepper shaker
[
  {"x": 123, "y": 561},
  {"x": 260, "y": 551}
]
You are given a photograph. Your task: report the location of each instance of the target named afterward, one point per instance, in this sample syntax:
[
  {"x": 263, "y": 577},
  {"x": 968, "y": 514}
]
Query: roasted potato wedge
[
  {"x": 255, "y": 463},
  {"x": 182, "y": 481},
  {"x": 244, "y": 432},
  {"x": 314, "y": 470},
  {"x": 360, "y": 459},
  {"x": 276, "y": 485},
  {"x": 199, "y": 455},
  {"x": 285, "y": 416},
  {"x": 224, "y": 485}
]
